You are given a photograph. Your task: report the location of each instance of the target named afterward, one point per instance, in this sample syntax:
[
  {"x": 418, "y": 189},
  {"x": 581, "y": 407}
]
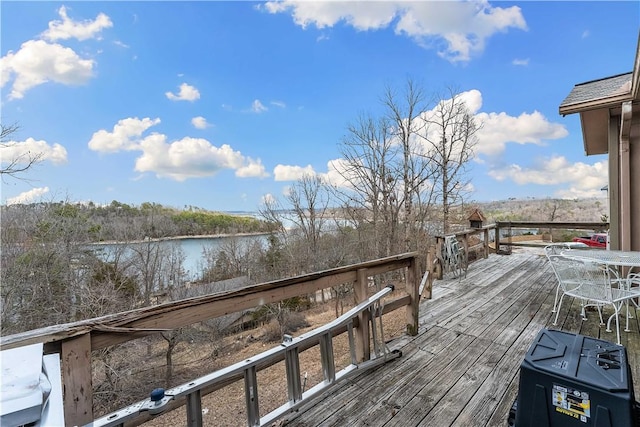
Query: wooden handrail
[
  {"x": 556, "y": 225},
  {"x": 75, "y": 341},
  {"x": 595, "y": 226},
  {"x": 463, "y": 236}
]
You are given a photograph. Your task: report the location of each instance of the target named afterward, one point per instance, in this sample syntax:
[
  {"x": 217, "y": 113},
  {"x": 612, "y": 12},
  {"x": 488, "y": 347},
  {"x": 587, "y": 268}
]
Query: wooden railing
[
  {"x": 76, "y": 341},
  {"x": 510, "y": 225},
  {"x": 484, "y": 246}
]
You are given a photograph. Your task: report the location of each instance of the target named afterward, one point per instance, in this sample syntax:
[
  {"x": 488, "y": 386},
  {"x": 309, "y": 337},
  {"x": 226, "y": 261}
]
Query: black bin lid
[{"x": 601, "y": 364}]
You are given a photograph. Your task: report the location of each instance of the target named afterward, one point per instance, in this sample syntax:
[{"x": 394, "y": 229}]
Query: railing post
[
  {"x": 76, "y": 380},
  {"x": 486, "y": 243},
  {"x": 439, "y": 268},
  {"x": 412, "y": 309},
  {"x": 363, "y": 344},
  {"x": 497, "y": 239},
  {"x": 465, "y": 245},
  {"x": 427, "y": 291}
]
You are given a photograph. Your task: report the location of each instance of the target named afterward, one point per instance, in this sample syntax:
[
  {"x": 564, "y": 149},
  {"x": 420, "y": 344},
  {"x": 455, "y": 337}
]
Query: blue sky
[{"x": 220, "y": 104}]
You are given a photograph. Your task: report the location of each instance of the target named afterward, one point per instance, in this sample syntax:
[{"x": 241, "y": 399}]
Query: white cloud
[
  {"x": 375, "y": 15},
  {"x": 186, "y": 93},
  {"x": 200, "y": 123},
  {"x": 337, "y": 173},
  {"x": 81, "y": 30},
  {"x": 291, "y": 173},
  {"x": 457, "y": 29},
  {"x": 279, "y": 104},
  {"x": 28, "y": 196},
  {"x": 257, "y": 107},
  {"x": 179, "y": 160},
  {"x": 190, "y": 158},
  {"x": 38, "y": 62},
  {"x": 521, "y": 62},
  {"x": 498, "y": 129},
  {"x": 584, "y": 180},
  {"x": 125, "y": 135},
  {"x": 22, "y": 151},
  {"x": 253, "y": 169}
]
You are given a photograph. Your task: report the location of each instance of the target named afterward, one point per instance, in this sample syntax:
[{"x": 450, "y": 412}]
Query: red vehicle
[{"x": 598, "y": 240}]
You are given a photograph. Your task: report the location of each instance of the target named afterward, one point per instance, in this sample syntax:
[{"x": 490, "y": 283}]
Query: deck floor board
[{"x": 462, "y": 369}]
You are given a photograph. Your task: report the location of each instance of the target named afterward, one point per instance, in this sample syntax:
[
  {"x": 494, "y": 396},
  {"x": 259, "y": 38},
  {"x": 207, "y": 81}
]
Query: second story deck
[{"x": 462, "y": 368}]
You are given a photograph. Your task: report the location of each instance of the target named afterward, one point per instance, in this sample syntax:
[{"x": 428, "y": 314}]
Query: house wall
[
  {"x": 614, "y": 181},
  {"x": 634, "y": 154},
  {"x": 614, "y": 184}
]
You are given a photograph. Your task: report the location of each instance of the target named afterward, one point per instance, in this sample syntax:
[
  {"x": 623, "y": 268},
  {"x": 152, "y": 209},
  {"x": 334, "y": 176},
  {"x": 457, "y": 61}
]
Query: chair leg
[
  {"x": 555, "y": 302},
  {"x": 600, "y": 314},
  {"x": 616, "y": 311},
  {"x": 618, "y": 328},
  {"x": 583, "y": 313},
  {"x": 626, "y": 329},
  {"x": 555, "y": 322}
]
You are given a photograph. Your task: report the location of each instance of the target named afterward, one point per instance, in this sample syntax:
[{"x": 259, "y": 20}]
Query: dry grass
[{"x": 226, "y": 407}]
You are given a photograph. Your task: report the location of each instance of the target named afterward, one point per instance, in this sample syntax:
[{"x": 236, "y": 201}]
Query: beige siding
[{"x": 634, "y": 152}]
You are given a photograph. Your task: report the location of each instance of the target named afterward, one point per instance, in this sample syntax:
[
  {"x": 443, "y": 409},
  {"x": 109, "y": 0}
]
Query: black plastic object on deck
[{"x": 572, "y": 380}]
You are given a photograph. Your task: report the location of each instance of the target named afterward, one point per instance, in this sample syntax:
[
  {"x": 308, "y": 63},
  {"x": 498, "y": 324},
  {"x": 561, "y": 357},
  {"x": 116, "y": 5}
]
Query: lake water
[{"x": 192, "y": 249}]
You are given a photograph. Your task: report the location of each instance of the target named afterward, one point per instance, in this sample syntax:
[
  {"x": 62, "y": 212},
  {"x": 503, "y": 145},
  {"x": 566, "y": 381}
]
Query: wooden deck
[{"x": 462, "y": 368}]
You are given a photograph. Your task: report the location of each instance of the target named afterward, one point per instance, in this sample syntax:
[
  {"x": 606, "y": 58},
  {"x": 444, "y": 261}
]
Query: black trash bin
[{"x": 572, "y": 380}]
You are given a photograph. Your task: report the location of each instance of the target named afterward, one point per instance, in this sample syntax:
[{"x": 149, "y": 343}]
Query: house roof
[{"x": 610, "y": 88}]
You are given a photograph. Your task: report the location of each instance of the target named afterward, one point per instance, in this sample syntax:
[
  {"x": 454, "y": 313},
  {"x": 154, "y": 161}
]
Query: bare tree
[
  {"x": 450, "y": 137},
  {"x": 369, "y": 193},
  {"x": 16, "y": 163},
  {"x": 234, "y": 258},
  {"x": 49, "y": 275},
  {"x": 303, "y": 219},
  {"x": 405, "y": 111},
  {"x": 388, "y": 171},
  {"x": 309, "y": 201}
]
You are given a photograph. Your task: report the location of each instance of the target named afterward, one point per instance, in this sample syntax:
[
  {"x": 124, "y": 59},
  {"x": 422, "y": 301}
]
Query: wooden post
[
  {"x": 497, "y": 239},
  {"x": 363, "y": 344},
  {"x": 76, "y": 380},
  {"x": 465, "y": 245},
  {"x": 413, "y": 284},
  {"x": 427, "y": 291},
  {"x": 440, "y": 268},
  {"x": 486, "y": 243}
]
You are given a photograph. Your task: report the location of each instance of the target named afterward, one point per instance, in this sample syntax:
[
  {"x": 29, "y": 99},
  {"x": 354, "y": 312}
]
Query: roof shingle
[{"x": 599, "y": 89}]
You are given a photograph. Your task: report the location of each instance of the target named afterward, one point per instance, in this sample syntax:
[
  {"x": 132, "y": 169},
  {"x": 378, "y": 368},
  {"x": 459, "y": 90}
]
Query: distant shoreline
[{"x": 163, "y": 239}]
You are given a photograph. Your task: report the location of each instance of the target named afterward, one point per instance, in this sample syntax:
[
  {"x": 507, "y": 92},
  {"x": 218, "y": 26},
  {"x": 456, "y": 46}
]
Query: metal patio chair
[
  {"x": 591, "y": 282},
  {"x": 556, "y": 249}
]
